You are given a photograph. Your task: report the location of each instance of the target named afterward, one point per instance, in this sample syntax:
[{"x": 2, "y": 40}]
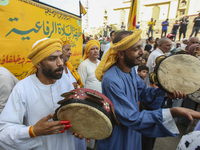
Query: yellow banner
[{"x": 23, "y": 22}]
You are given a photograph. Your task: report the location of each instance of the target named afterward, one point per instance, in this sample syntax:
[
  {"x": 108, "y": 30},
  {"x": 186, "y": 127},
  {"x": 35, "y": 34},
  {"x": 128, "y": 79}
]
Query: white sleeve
[
  {"x": 82, "y": 71},
  {"x": 13, "y": 133},
  {"x": 106, "y": 49},
  {"x": 197, "y": 126},
  {"x": 169, "y": 122},
  {"x": 7, "y": 83}
]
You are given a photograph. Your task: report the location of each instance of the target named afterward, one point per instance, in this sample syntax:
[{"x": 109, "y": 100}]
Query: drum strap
[{"x": 75, "y": 74}]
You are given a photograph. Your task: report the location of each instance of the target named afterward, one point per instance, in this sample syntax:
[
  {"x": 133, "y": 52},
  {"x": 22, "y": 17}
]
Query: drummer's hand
[
  {"x": 75, "y": 84},
  {"x": 46, "y": 127},
  {"x": 176, "y": 95},
  {"x": 77, "y": 135},
  {"x": 184, "y": 112}
]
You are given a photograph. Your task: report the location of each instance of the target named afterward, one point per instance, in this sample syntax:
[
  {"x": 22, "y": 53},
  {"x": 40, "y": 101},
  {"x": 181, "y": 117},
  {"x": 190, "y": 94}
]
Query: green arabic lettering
[
  {"x": 17, "y": 31},
  {"x": 64, "y": 31},
  {"x": 59, "y": 28},
  {"x": 52, "y": 30},
  {"x": 55, "y": 28},
  {"x": 46, "y": 32}
]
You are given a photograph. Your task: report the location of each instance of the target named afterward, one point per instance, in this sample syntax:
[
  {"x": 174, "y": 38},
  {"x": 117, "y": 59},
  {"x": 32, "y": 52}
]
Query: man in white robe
[
  {"x": 87, "y": 68},
  {"x": 70, "y": 71},
  {"x": 27, "y": 119},
  {"x": 7, "y": 82},
  {"x": 163, "y": 47}
]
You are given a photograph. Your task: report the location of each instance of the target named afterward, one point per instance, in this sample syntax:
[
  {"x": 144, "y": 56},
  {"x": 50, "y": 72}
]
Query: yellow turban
[
  {"x": 88, "y": 46},
  {"x": 41, "y": 50},
  {"x": 65, "y": 41},
  {"x": 111, "y": 55}
]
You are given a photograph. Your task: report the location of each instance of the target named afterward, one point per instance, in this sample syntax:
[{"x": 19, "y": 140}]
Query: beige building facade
[
  {"x": 163, "y": 9},
  {"x": 114, "y": 12}
]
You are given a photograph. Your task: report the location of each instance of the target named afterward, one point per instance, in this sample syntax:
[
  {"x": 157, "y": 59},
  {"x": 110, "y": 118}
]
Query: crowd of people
[
  {"x": 179, "y": 26},
  {"x": 119, "y": 67}
]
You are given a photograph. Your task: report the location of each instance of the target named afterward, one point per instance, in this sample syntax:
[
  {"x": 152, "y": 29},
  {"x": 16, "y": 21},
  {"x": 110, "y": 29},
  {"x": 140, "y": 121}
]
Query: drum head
[
  {"x": 179, "y": 72},
  {"x": 86, "y": 120}
]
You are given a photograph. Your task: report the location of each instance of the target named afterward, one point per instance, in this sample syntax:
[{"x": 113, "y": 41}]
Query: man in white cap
[
  {"x": 26, "y": 121},
  {"x": 184, "y": 43}
]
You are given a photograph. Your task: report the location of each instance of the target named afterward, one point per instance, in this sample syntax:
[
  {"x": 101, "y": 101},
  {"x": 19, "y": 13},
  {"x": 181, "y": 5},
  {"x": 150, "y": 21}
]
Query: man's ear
[
  {"x": 38, "y": 66},
  {"x": 120, "y": 54}
]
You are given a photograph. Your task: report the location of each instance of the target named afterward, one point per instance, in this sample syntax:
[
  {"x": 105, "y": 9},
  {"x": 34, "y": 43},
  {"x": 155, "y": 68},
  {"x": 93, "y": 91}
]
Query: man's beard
[
  {"x": 51, "y": 74},
  {"x": 129, "y": 62}
]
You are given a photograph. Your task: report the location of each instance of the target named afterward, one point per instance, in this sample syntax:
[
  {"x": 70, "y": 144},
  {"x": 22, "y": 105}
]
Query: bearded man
[
  {"x": 122, "y": 85},
  {"x": 26, "y": 121}
]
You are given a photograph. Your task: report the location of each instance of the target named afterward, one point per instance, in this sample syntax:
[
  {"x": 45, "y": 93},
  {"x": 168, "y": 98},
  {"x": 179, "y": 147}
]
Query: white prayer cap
[{"x": 184, "y": 39}]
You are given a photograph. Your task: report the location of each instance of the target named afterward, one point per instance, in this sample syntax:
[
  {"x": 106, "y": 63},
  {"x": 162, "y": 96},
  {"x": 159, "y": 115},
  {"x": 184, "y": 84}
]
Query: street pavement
[
  {"x": 167, "y": 143},
  {"x": 170, "y": 143}
]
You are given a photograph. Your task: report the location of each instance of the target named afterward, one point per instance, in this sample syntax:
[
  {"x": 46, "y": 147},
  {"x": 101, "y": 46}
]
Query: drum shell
[
  {"x": 98, "y": 112},
  {"x": 84, "y": 93},
  {"x": 179, "y": 73}
]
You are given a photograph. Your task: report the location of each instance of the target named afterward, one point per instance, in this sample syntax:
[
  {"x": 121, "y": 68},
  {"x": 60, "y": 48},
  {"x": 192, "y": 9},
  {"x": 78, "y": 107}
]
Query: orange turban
[
  {"x": 65, "y": 41},
  {"x": 88, "y": 46},
  {"x": 111, "y": 55},
  {"x": 41, "y": 50}
]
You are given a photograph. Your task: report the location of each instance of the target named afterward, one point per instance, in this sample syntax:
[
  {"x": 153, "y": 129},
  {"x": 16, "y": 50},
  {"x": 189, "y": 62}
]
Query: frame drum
[
  {"x": 179, "y": 72},
  {"x": 91, "y": 114}
]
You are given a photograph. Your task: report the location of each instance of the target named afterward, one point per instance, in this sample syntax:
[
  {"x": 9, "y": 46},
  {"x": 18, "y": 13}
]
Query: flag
[
  {"x": 83, "y": 11},
  {"x": 132, "y": 15}
]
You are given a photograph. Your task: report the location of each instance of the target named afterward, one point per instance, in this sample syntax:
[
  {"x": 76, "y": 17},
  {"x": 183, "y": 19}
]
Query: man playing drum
[
  {"x": 125, "y": 88},
  {"x": 87, "y": 69},
  {"x": 74, "y": 78},
  {"x": 26, "y": 121}
]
